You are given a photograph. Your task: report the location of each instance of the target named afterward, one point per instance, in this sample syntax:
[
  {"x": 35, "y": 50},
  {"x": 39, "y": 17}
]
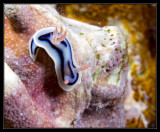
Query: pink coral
[{"x": 39, "y": 101}]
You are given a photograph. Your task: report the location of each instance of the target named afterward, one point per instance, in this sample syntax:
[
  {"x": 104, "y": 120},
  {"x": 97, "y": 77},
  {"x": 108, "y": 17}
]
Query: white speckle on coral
[
  {"x": 7, "y": 56},
  {"x": 56, "y": 112},
  {"x": 23, "y": 118},
  {"x": 21, "y": 114}
]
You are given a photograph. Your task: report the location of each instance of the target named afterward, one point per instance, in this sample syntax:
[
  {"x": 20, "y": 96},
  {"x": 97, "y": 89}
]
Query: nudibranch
[{"x": 59, "y": 49}]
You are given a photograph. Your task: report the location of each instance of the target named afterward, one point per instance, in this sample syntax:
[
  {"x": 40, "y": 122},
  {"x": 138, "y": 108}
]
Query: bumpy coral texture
[
  {"x": 140, "y": 104},
  {"x": 39, "y": 101}
]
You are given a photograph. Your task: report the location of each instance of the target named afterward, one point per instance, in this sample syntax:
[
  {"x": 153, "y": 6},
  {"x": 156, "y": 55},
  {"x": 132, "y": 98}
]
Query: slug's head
[{"x": 58, "y": 37}]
